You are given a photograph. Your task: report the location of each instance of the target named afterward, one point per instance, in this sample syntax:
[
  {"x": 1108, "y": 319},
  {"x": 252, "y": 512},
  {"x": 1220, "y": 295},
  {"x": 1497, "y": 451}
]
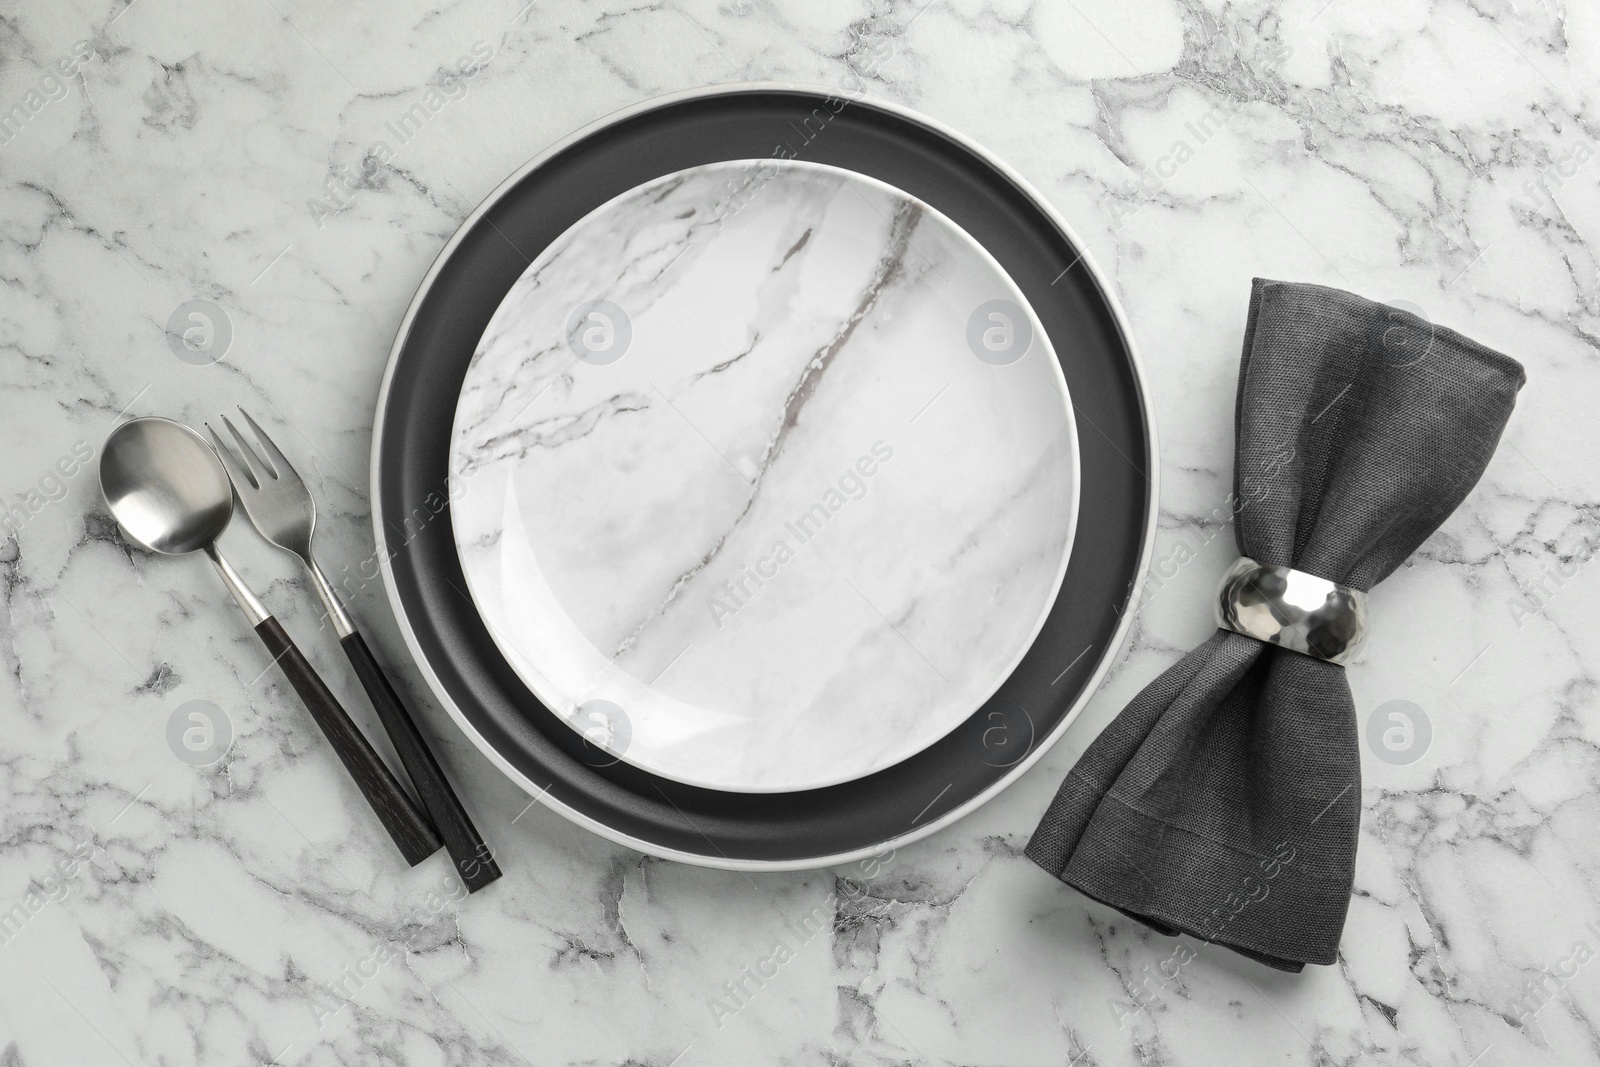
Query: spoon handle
[{"x": 410, "y": 829}]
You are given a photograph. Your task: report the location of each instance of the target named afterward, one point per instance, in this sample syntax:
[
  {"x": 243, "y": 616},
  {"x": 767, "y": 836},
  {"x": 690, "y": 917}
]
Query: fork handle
[
  {"x": 473, "y": 859},
  {"x": 407, "y": 825}
]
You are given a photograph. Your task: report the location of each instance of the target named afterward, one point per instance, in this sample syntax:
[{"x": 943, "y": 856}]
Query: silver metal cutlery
[
  {"x": 281, "y": 508},
  {"x": 170, "y": 494}
]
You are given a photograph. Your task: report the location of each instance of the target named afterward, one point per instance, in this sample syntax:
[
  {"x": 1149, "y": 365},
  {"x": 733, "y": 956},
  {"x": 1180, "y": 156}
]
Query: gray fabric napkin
[{"x": 1224, "y": 801}]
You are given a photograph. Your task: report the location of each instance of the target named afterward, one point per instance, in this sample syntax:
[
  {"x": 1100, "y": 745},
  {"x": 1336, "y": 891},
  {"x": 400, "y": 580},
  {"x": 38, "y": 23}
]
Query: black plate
[{"x": 412, "y": 446}]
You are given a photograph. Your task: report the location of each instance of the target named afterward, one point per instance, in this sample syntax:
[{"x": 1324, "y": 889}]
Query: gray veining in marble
[
  {"x": 748, "y": 485},
  {"x": 298, "y": 166}
]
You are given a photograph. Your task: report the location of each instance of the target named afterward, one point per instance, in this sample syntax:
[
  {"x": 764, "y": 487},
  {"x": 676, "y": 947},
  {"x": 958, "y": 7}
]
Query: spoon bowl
[{"x": 165, "y": 486}]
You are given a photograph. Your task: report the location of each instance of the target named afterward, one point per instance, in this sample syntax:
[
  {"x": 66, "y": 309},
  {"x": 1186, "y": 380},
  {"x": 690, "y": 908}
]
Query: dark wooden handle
[
  {"x": 472, "y": 857},
  {"x": 408, "y": 826}
]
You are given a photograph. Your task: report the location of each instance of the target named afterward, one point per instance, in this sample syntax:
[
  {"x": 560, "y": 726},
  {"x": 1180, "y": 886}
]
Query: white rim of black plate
[
  {"x": 1136, "y": 518},
  {"x": 959, "y": 523}
]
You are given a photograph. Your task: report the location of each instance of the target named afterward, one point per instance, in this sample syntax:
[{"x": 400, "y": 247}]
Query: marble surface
[
  {"x": 1442, "y": 154},
  {"x": 749, "y": 488}
]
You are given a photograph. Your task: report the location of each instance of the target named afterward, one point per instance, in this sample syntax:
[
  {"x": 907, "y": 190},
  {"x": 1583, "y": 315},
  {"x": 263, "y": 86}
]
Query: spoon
[{"x": 169, "y": 493}]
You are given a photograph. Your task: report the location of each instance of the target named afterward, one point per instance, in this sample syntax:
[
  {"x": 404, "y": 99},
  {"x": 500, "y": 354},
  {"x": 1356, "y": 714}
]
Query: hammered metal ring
[{"x": 1293, "y": 610}]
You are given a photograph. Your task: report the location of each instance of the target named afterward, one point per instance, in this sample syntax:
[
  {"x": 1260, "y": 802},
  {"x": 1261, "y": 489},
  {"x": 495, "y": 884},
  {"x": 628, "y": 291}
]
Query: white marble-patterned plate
[{"x": 764, "y": 476}]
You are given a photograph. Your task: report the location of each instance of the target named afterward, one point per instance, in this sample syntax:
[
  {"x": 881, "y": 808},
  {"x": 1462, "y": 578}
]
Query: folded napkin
[{"x": 1224, "y": 801}]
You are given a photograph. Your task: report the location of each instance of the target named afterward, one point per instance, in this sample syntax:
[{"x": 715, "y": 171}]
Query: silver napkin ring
[{"x": 1293, "y": 610}]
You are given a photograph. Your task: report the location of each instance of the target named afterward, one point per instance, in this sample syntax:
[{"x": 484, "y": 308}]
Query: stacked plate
[{"x": 763, "y": 477}]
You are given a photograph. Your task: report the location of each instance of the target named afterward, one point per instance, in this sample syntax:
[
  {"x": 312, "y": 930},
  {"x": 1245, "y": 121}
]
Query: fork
[{"x": 281, "y": 508}]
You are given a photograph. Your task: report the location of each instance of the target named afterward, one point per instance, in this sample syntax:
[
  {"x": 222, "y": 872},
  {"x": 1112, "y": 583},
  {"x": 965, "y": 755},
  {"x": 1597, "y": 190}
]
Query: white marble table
[{"x": 296, "y": 166}]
